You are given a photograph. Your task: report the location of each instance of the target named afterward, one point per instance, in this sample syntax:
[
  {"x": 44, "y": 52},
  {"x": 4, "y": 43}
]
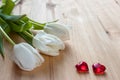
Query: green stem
[
  {"x": 53, "y": 21},
  {"x": 17, "y": 1},
  {"x": 35, "y": 22},
  {"x": 28, "y": 34},
  {"x": 43, "y": 23},
  {"x": 7, "y": 37}
]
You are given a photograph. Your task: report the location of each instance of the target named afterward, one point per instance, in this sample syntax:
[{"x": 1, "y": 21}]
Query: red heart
[
  {"x": 98, "y": 68},
  {"x": 82, "y": 67}
]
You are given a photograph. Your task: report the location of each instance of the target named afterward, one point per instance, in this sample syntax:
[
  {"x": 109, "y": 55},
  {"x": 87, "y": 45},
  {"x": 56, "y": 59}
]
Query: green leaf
[
  {"x": 11, "y": 17},
  {"x": 4, "y": 25},
  {"x": 1, "y": 46},
  {"x": 3, "y": 1},
  {"x": 26, "y": 38},
  {"x": 8, "y": 6},
  {"x": 20, "y": 27},
  {"x": 15, "y": 27}
]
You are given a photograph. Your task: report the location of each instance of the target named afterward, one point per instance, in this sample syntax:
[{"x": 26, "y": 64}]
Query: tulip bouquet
[{"x": 49, "y": 39}]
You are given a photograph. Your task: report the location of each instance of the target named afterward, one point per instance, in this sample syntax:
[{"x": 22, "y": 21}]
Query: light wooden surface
[{"x": 95, "y": 37}]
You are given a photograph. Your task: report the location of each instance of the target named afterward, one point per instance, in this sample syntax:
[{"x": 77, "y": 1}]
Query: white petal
[
  {"x": 58, "y": 30},
  {"x": 26, "y": 57},
  {"x": 48, "y": 44},
  {"x": 38, "y": 57}
]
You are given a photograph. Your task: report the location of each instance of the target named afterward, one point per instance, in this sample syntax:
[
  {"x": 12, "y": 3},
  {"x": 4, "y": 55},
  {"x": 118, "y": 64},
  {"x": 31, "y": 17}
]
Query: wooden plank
[{"x": 95, "y": 37}]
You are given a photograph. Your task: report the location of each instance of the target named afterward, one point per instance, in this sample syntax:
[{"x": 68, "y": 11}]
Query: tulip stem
[
  {"x": 53, "y": 21},
  {"x": 6, "y": 36},
  {"x": 28, "y": 34}
]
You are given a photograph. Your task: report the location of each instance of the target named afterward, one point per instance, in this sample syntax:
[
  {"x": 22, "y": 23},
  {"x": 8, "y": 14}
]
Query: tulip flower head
[
  {"x": 48, "y": 44},
  {"x": 26, "y": 57},
  {"x": 59, "y": 30}
]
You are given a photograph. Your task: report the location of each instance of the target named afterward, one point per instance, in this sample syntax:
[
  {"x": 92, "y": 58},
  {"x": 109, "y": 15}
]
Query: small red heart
[
  {"x": 98, "y": 68},
  {"x": 82, "y": 67}
]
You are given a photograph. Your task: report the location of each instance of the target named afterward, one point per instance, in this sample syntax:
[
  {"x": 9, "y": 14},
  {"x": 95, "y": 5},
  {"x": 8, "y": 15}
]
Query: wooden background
[{"x": 95, "y": 37}]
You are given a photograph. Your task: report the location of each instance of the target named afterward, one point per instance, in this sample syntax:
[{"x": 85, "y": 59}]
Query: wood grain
[{"x": 94, "y": 37}]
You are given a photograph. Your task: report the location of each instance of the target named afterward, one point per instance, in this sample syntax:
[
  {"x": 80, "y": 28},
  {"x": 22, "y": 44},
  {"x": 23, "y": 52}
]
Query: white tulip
[
  {"x": 48, "y": 44},
  {"x": 59, "y": 30},
  {"x": 26, "y": 57}
]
